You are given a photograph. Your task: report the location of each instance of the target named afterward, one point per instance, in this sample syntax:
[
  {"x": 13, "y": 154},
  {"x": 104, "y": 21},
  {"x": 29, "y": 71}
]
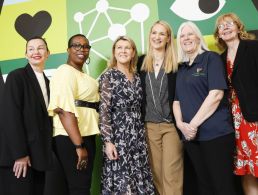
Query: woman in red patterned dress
[{"x": 241, "y": 58}]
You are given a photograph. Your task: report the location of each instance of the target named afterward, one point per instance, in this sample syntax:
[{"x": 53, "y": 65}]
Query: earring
[{"x": 88, "y": 60}]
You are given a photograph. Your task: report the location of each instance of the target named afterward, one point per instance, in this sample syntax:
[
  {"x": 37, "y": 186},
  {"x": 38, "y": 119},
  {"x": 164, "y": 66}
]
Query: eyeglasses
[
  {"x": 226, "y": 24},
  {"x": 78, "y": 47}
]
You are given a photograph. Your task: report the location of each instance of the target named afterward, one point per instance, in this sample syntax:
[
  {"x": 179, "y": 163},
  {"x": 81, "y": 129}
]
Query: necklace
[{"x": 158, "y": 62}]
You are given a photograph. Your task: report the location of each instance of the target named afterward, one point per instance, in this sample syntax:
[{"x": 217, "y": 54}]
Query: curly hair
[{"x": 242, "y": 35}]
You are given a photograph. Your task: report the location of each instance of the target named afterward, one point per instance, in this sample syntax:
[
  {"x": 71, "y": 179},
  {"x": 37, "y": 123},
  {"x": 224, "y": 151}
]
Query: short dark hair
[
  {"x": 37, "y": 37},
  {"x": 72, "y": 37}
]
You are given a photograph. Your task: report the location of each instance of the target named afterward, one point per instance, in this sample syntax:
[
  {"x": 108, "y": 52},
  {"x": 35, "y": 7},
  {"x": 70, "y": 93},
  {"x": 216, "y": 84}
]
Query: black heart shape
[
  {"x": 1, "y": 5},
  {"x": 30, "y": 26}
]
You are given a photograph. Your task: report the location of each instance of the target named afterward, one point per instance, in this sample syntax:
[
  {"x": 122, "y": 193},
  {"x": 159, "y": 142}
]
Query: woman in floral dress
[
  {"x": 126, "y": 166},
  {"x": 241, "y": 60}
]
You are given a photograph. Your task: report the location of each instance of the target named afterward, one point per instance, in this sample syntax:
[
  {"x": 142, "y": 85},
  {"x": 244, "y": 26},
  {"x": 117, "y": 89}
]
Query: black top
[{"x": 245, "y": 78}]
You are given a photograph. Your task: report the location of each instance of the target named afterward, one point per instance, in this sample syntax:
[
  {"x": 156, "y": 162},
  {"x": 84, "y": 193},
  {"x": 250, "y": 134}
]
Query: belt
[
  {"x": 126, "y": 109},
  {"x": 81, "y": 103}
]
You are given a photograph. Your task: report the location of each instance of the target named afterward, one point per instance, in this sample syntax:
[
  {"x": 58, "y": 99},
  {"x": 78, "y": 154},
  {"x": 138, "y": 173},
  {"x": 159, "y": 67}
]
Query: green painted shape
[
  {"x": 243, "y": 8},
  {"x": 53, "y": 61}
]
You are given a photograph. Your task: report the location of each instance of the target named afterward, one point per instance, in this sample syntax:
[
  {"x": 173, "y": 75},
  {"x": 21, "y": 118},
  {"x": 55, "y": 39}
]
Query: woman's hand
[
  {"x": 188, "y": 130},
  {"x": 110, "y": 150},
  {"x": 82, "y": 158},
  {"x": 20, "y": 166}
]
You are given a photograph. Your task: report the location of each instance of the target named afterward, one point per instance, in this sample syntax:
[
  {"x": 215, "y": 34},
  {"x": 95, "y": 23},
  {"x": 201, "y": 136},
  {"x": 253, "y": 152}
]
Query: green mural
[
  {"x": 102, "y": 21},
  {"x": 204, "y": 13}
]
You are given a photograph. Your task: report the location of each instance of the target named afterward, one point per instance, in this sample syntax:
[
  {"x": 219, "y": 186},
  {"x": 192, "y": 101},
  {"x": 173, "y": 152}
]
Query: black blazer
[
  {"x": 171, "y": 86},
  {"x": 245, "y": 78},
  {"x": 26, "y": 128}
]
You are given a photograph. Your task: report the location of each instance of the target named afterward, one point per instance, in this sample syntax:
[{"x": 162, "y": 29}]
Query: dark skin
[{"x": 76, "y": 59}]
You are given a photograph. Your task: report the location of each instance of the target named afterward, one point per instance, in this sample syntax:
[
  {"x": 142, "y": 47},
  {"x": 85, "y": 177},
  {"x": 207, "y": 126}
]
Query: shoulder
[
  {"x": 211, "y": 54},
  {"x": 64, "y": 71},
  {"x": 107, "y": 74},
  {"x": 16, "y": 74},
  {"x": 211, "y": 57},
  {"x": 250, "y": 43}
]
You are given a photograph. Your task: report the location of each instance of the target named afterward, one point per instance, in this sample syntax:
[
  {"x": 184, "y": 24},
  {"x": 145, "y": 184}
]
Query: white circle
[
  {"x": 102, "y": 6},
  {"x": 116, "y": 30},
  {"x": 140, "y": 12},
  {"x": 78, "y": 17}
]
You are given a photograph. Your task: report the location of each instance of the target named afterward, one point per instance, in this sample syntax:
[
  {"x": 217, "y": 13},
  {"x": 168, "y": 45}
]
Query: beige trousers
[{"x": 166, "y": 158}]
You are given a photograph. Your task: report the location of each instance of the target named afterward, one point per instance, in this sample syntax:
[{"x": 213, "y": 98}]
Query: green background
[{"x": 159, "y": 9}]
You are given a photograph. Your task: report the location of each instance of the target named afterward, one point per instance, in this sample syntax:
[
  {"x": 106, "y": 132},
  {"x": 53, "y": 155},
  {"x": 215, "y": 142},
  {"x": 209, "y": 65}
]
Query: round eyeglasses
[
  {"x": 227, "y": 24},
  {"x": 78, "y": 47}
]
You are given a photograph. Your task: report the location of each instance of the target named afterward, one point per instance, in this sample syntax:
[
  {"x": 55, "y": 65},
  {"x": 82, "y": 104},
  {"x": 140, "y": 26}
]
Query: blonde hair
[
  {"x": 182, "y": 56},
  {"x": 243, "y": 35},
  {"x": 133, "y": 62},
  {"x": 170, "y": 57}
]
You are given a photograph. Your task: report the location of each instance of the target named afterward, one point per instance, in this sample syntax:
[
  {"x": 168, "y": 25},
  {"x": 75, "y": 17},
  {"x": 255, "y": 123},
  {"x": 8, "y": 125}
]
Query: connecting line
[
  {"x": 89, "y": 12},
  {"x": 108, "y": 18},
  {"x": 98, "y": 54},
  {"x": 142, "y": 37},
  {"x": 119, "y": 9},
  {"x": 93, "y": 24},
  {"x": 80, "y": 27},
  {"x": 99, "y": 39},
  {"x": 128, "y": 21}
]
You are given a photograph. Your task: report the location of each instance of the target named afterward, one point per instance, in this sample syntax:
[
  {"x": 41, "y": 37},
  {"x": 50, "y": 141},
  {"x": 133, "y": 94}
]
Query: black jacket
[
  {"x": 25, "y": 127},
  {"x": 245, "y": 78}
]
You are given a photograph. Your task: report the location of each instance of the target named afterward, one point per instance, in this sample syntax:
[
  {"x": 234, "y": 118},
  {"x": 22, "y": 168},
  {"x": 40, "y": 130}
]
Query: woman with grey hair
[{"x": 201, "y": 112}]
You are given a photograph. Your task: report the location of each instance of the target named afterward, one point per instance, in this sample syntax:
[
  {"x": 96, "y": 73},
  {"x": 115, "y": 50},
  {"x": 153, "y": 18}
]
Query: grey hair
[{"x": 182, "y": 56}]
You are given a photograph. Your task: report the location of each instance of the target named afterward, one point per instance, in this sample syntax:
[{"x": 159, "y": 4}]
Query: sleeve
[
  {"x": 13, "y": 127},
  {"x": 105, "y": 107},
  {"x": 63, "y": 91},
  {"x": 216, "y": 72}
]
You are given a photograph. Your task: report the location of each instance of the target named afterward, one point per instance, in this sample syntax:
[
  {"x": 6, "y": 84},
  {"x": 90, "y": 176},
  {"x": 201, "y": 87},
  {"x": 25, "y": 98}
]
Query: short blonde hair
[
  {"x": 182, "y": 56},
  {"x": 243, "y": 35},
  {"x": 133, "y": 62},
  {"x": 170, "y": 58}
]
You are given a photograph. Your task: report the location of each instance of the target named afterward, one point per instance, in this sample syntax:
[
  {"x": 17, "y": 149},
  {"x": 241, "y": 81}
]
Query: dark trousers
[
  {"x": 32, "y": 184},
  {"x": 78, "y": 181},
  {"x": 213, "y": 164}
]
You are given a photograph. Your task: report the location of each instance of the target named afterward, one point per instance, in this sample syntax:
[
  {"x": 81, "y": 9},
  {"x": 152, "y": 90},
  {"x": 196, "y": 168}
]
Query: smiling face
[
  {"x": 159, "y": 37},
  {"x": 188, "y": 40},
  {"x": 123, "y": 52},
  {"x": 78, "y": 51},
  {"x": 36, "y": 52},
  {"x": 228, "y": 30}
]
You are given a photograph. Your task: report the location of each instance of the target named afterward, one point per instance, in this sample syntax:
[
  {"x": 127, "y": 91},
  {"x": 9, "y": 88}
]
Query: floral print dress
[
  {"x": 121, "y": 124},
  {"x": 246, "y": 157}
]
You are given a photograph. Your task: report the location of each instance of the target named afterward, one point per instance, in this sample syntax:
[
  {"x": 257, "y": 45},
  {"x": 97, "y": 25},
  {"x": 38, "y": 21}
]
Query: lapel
[
  {"x": 33, "y": 81},
  {"x": 47, "y": 86},
  {"x": 239, "y": 57}
]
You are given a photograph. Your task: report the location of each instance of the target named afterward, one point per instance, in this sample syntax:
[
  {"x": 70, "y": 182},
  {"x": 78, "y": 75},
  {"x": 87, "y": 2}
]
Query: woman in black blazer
[
  {"x": 26, "y": 130},
  {"x": 241, "y": 62}
]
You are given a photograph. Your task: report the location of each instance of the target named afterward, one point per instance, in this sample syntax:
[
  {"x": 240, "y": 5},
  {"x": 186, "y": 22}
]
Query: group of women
[{"x": 173, "y": 98}]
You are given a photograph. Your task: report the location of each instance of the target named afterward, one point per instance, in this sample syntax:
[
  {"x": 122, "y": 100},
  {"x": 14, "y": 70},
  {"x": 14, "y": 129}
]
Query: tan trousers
[{"x": 166, "y": 158}]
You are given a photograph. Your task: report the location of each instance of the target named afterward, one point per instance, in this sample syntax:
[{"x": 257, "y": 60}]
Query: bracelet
[{"x": 82, "y": 145}]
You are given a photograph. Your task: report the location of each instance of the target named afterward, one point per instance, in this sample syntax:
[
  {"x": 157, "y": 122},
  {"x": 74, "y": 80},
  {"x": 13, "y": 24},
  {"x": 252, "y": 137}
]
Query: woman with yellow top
[{"x": 73, "y": 103}]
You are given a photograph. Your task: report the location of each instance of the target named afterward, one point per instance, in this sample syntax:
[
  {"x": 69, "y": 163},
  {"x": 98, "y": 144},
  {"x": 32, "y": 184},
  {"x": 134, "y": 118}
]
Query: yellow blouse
[{"x": 66, "y": 85}]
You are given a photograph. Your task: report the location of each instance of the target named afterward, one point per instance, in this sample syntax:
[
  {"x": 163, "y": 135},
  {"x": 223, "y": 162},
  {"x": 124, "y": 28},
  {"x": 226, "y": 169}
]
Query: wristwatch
[{"x": 82, "y": 145}]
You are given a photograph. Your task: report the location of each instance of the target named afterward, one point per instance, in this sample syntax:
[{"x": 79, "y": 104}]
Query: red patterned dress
[{"x": 246, "y": 157}]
